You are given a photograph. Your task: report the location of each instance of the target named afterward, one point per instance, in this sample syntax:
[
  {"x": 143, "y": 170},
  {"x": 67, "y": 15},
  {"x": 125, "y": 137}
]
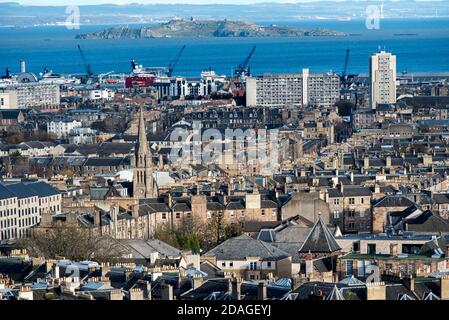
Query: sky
[{"x": 83, "y": 2}]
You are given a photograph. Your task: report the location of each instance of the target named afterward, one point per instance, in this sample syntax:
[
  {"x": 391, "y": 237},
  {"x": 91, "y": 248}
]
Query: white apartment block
[
  {"x": 323, "y": 89},
  {"x": 277, "y": 90},
  {"x": 104, "y": 94},
  {"x": 208, "y": 83},
  {"x": 35, "y": 94},
  {"x": 22, "y": 205},
  {"x": 382, "y": 78},
  {"x": 8, "y": 100},
  {"x": 63, "y": 128}
]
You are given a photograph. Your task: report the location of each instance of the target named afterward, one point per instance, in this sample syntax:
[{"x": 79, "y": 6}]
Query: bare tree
[{"x": 73, "y": 242}]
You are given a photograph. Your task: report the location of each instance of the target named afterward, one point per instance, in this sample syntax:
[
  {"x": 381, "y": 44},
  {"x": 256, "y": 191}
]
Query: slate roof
[
  {"x": 290, "y": 248},
  {"x": 293, "y": 234},
  {"x": 152, "y": 205},
  {"x": 144, "y": 248},
  {"x": 218, "y": 289},
  {"x": 394, "y": 201},
  {"x": 103, "y": 162},
  {"x": 20, "y": 190},
  {"x": 5, "y": 193},
  {"x": 427, "y": 222},
  {"x": 326, "y": 290},
  {"x": 441, "y": 198},
  {"x": 335, "y": 193},
  {"x": 320, "y": 240},
  {"x": 11, "y": 114},
  {"x": 356, "y": 192},
  {"x": 42, "y": 189},
  {"x": 241, "y": 247}
]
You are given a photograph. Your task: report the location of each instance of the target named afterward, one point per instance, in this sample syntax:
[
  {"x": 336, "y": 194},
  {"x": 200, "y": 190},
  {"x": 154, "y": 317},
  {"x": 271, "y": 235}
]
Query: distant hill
[{"x": 205, "y": 28}]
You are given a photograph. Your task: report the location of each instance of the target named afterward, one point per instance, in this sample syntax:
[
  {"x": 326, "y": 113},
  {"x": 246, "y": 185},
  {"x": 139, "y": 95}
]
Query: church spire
[
  {"x": 143, "y": 182},
  {"x": 142, "y": 144}
]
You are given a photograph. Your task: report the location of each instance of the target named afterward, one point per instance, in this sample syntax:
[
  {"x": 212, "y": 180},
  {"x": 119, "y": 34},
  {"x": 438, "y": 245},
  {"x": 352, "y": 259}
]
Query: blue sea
[{"x": 424, "y": 48}]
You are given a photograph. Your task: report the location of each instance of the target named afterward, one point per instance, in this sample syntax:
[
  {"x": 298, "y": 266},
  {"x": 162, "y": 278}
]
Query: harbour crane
[
  {"x": 86, "y": 65},
  {"x": 243, "y": 69},
  {"x": 7, "y": 74},
  {"x": 175, "y": 61},
  {"x": 345, "y": 68}
]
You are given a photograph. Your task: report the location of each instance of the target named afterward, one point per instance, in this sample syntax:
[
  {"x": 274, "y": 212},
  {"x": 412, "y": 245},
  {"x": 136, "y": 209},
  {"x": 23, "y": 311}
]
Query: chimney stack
[
  {"x": 262, "y": 291},
  {"x": 166, "y": 292},
  {"x": 197, "y": 281},
  {"x": 410, "y": 283},
  {"x": 104, "y": 268},
  {"x": 236, "y": 289},
  {"x": 388, "y": 162},
  {"x": 394, "y": 249},
  {"x": 376, "y": 291},
  {"x": 25, "y": 293},
  {"x": 147, "y": 290},
  {"x": 97, "y": 217},
  {"x": 135, "y": 211},
  {"x": 444, "y": 287},
  {"x": 115, "y": 295},
  {"x": 161, "y": 161},
  {"x": 366, "y": 162},
  {"x": 376, "y": 189},
  {"x": 135, "y": 294},
  {"x": 56, "y": 271}
]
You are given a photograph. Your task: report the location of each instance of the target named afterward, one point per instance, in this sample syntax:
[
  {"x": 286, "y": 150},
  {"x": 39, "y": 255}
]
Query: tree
[
  {"x": 15, "y": 138},
  {"x": 196, "y": 236},
  {"x": 72, "y": 242},
  {"x": 232, "y": 230},
  {"x": 165, "y": 234},
  {"x": 345, "y": 108},
  {"x": 182, "y": 238},
  {"x": 218, "y": 230},
  {"x": 99, "y": 125},
  {"x": 194, "y": 244}
]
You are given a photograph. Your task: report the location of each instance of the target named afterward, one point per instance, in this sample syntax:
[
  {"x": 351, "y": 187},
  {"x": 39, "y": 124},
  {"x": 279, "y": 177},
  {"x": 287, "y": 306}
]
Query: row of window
[
  {"x": 252, "y": 265},
  {"x": 351, "y": 200},
  {"x": 7, "y": 212},
  {"x": 12, "y": 233},
  {"x": 22, "y": 222},
  {"x": 232, "y": 213}
]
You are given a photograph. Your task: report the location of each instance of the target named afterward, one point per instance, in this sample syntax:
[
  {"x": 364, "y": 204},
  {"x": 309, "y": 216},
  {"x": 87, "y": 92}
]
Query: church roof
[{"x": 320, "y": 239}]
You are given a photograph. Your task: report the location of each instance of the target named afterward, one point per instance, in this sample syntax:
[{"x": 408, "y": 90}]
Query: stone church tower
[{"x": 142, "y": 165}]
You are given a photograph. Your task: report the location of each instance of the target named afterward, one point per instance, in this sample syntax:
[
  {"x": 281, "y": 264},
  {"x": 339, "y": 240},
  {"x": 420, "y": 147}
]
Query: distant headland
[{"x": 205, "y": 28}]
